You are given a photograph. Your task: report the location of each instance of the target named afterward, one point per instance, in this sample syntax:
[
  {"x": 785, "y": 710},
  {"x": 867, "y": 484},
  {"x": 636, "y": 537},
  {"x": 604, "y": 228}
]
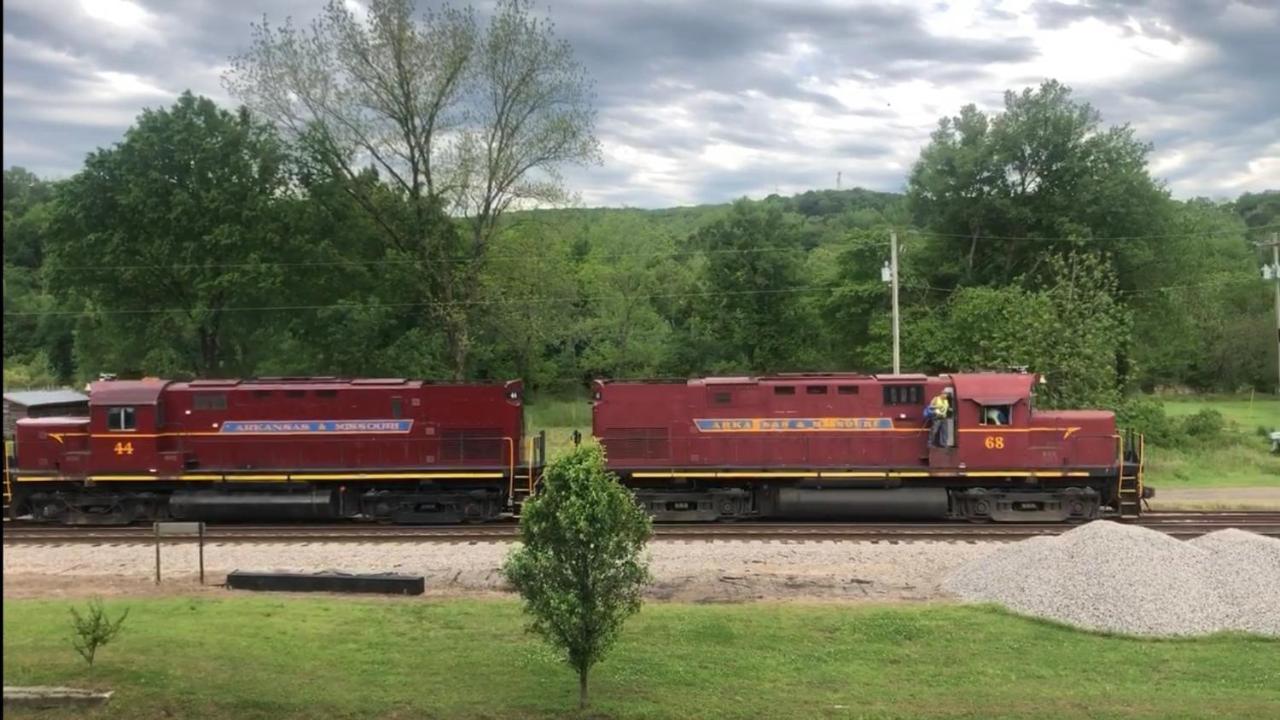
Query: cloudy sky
[{"x": 707, "y": 101}]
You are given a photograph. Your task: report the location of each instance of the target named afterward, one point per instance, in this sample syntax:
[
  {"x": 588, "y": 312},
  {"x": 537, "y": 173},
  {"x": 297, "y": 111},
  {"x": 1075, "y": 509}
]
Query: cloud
[{"x": 701, "y": 102}]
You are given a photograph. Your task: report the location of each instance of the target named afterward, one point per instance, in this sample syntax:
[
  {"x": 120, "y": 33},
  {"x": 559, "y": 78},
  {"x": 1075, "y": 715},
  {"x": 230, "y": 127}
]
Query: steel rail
[{"x": 1177, "y": 524}]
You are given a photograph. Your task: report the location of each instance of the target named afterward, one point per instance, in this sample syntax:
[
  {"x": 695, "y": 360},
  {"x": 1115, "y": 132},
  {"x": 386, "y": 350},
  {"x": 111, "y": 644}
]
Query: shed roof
[
  {"x": 126, "y": 392},
  {"x": 53, "y": 421},
  {"x": 38, "y": 398}
]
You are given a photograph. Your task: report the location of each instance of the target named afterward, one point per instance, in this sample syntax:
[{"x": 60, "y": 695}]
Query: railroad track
[{"x": 1177, "y": 524}]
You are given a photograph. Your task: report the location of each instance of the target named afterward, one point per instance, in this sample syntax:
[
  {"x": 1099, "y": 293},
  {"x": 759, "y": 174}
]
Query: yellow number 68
[{"x": 994, "y": 442}]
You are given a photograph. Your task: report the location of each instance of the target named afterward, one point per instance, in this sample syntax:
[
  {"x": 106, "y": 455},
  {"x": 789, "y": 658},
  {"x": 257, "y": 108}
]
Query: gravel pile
[
  {"x": 1248, "y": 566},
  {"x": 1125, "y": 579}
]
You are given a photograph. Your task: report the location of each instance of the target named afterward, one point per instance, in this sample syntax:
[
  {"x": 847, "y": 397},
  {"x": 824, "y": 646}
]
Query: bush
[
  {"x": 94, "y": 629},
  {"x": 1146, "y": 415},
  {"x": 1205, "y": 426}
]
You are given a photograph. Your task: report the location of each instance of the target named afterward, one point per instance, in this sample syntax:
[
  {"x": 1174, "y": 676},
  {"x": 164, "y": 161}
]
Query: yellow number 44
[
  {"x": 124, "y": 448},
  {"x": 994, "y": 442}
]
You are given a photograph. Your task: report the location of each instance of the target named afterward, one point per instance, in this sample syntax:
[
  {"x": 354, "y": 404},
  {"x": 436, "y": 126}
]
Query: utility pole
[
  {"x": 1273, "y": 273},
  {"x": 893, "y": 262}
]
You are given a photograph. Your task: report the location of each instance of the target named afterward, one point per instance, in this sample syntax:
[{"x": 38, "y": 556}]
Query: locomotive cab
[
  {"x": 990, "y": 422},
  {"x": 1024, "y": 465},
  {"x": 125, "y": 420}
]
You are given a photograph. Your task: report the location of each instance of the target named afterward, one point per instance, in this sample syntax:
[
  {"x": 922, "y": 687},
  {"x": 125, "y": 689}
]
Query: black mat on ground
[{"x": 386, "y": 584}]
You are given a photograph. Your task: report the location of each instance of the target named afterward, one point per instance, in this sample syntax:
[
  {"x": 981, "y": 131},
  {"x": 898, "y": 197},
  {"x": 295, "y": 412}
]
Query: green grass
[
  {"x": 541, "y": 413},
  {"x": 1247, "y": 414},
  {"x": 1243, "y": 459},
  {"x": 327, "y": 658},
  {"x": 559, "y": 417}
]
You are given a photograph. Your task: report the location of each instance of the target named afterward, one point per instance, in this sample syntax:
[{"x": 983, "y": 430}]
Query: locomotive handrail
[
  {"x": 1142, "y": 462},
  {"x": 530, "y": 460},
  {"x": 8, "y": 490},
  {"x": 511, "y": 464}
]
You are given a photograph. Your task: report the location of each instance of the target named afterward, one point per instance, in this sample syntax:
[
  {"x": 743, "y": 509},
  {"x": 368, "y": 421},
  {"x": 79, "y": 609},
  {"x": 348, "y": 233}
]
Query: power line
[
  {"x": 1099, "y": 238},
  {"x": 462, "y": 259},
  {"x": 1224, "y": 282},
  {"x": 438, "y": 304},
  {"x": 567, "y": 300}
]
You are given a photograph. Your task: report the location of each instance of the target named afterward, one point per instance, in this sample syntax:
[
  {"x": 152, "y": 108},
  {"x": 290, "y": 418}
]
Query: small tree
[
  {"x": 94, "y": 629},
  {"x": 579, "y": 567}
]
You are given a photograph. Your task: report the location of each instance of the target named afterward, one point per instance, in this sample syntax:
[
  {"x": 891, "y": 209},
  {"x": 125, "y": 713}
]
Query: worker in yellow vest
[{"x": 939, "y": 410}]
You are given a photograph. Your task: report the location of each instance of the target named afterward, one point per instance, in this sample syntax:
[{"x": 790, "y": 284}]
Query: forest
[{"x": 260, "y": 240}]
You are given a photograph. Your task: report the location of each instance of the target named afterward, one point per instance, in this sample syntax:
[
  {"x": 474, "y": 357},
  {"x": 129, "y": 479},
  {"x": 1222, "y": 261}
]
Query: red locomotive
[
  {"x": 387, "y": 449},
  {"x": 848, "y": 446},
  {"x": 840, "y": 446}
]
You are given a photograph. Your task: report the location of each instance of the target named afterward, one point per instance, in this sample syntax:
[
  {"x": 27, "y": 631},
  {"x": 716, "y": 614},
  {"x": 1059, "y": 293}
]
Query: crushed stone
[{"x": 1109, "y": 577}]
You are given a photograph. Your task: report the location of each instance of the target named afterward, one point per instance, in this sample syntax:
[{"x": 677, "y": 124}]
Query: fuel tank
[
  {"x": 858, "y": 504},
  {"x": 214, "y": 505}
]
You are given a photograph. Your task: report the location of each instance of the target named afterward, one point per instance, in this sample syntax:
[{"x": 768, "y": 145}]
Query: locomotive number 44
[
  {"x": 124, "y": 448},
  {"x": 994, "y": 442}
]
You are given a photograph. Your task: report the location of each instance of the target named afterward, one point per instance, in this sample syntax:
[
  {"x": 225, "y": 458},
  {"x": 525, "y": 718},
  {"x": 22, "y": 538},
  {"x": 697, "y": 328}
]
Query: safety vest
[{"x": 941, "y": 405}]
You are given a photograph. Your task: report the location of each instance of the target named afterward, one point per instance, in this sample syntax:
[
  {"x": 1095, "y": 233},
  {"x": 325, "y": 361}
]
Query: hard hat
[{"x": 949, "y": 391}]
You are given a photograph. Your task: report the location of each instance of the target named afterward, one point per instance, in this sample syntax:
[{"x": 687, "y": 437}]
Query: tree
[
  {"x": 1261, "y": 211},
  {"x": 857, "y": 311},
  {"x": 1072, "y": 330},
  {"x": 628, "y": 267},
  {"x": 94, "y": 629},
  {"x": 160, "y": 237},
  {"x": 753, "y": 281},
  {"x": 1195, "y": 302},
  {"x": 993, "y": 189},
  {"x": 579, "y": 567},
  {"x": 454, "y": 119},
  {"x": 27, "y": 211},
  {"x": 526, "y": 293}
]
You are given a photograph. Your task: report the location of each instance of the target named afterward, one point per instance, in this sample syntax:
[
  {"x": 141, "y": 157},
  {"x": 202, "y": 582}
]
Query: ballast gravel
[
  {"x": 688, "y": 571},
  {"x": 1124, "y": 579}
]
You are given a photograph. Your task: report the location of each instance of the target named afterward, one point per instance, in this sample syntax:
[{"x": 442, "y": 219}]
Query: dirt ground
[
  {"x": 1255, "y": 498},
  {"x": 683, "y": 571}
]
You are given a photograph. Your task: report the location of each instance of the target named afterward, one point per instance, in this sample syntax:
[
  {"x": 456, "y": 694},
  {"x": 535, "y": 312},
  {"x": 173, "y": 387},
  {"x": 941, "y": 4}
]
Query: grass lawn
[
  {"x": 559, "y": 417},
  {"x": 297, "y": 657},
  {"x": 1247, "y": 414},
  {"x": 1246, "y": 461}
]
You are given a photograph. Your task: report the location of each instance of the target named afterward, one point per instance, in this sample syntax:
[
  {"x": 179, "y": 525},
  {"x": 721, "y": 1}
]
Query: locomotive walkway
[{"x": 1177, "y": 524}]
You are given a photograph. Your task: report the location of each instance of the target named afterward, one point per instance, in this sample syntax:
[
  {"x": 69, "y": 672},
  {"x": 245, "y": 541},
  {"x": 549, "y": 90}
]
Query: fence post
[{"x": 179, "y": 529}]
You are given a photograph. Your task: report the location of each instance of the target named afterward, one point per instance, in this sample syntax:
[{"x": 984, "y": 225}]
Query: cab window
[
  {"x": 995, "y": 414},
  {"x": 121, "y": 418}
]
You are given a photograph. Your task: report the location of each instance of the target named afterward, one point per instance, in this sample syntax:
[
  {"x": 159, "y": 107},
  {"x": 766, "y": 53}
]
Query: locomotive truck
[{"x": 806, "y": 446}]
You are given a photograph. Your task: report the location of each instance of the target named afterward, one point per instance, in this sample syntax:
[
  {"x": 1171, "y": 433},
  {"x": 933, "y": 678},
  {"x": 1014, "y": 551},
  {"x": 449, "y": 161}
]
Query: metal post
[
  {"x": 157, "y": 531},
  {"x": 893, "y": 273},
  {"x": 201, "y": 553}
]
